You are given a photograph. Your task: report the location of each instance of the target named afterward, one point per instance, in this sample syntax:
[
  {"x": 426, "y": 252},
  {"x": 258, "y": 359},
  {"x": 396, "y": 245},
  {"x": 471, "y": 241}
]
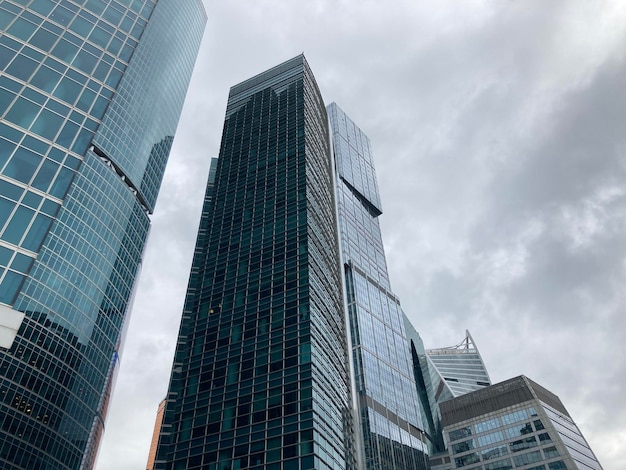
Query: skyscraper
[
  {"x": 260, "y": 373},
  {"x": 388, "y": 406},
  {"x": 263, "y": 373},
  {"x": 90, "y": 95}
]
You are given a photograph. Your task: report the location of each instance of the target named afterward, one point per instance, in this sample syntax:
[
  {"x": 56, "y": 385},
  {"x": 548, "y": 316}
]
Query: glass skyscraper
[
  {"x": 260, "y": 376},
  {"x": 387, "y": 397},
  {"x": 292, "y": 352},
  {"x": 90, "y": 95}
]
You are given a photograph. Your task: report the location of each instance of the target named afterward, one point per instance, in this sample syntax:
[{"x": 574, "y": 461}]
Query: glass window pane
[
  {"x": 5, "y": 18},
  {"x": 22, "y": 67},
  {"x": 48, "y": 124},
  {"x": 18, "y": 224},
  {"x": 62, "y": 15},
  {"x": 46, "y": 79},
  {"x": 100, "y": 37},
  {"x": 81, "y": 26},
  {"x": 85, "y": 61},
  {"x": 43, "y": 39},
  {"x": 42, "y": 6},
  {"x": 82, "y": 141},
  {"x": 6, "y": 207},
  {"x": 37, "y": 232},
  {"x": 45, "y": 175},
  {"x": 22, "y": 29},
  {"x": 6, "y": 55},
  {"x": 5, "y": 256},
  {"x": 65, "y": 51},
  {"x": 61, "y": 183},
  {"x": 67, "y": 90},
  {"x": 66, "y": 137},
  {"x": 10, "y": 284},
  {"x": 23, "y": 165},
  {"x": 10, "y": 190},
  {"x": 86, "y": 99},
  {"x": 22, "y": 112},
  {"x": 6, "y": 148},
  {"x": 21, "y": 263}
]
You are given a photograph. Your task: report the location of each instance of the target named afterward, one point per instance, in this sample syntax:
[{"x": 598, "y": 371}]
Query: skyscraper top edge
[
  {"x": 267, "y": 75},
  {"x": 489, "y": 399},
  {"x": 203, "y": 10},
  {"x": 276, "y": 77}
]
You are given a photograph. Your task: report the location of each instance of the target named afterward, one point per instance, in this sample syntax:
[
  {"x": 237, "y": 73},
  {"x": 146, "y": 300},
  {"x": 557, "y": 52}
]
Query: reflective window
[
  {"x": 22, "y": 165},
  {"x": 487, "y": 425},
  {"x": 491, "y": 438},
  {"x": 494, "y": 452},
  {"x": 518, "y": 430},
  {"x": 463, "y": 446},
  {"x": 466, "y": 460},
  {"x": 22, "y": 112},
  {"x": 528, "y": 458},
  {"x": 523, "y": 444},
  {"x": 558, "y": 465},
  {"x": 550, "y": 452},
  {"x": 499, "y": 465}
]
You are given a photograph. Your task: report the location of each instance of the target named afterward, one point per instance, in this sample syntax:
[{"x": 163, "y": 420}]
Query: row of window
[{"x": 509, "y": 418}]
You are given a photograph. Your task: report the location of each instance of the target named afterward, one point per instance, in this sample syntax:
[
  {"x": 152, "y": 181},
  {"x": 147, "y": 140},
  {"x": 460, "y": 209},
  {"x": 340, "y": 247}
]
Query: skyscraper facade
[
  {"x": 261, "y": 376},
  {"x": 90, "y": 95},
  {"x": 388, "y": 408}
]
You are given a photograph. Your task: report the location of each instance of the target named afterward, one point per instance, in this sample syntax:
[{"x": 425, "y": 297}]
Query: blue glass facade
[
  {"x": 387, "y": 397},
  {"x": 90, "y": 95}
]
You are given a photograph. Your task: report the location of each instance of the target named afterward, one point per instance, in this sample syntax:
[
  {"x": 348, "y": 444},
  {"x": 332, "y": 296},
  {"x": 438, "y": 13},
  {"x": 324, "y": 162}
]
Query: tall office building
[
  {"x": 90, "y": 95},
  {"x": 389, "y": 412},
  {"x": 263, "y": 375},
  {"x": 260, "y": 376}
]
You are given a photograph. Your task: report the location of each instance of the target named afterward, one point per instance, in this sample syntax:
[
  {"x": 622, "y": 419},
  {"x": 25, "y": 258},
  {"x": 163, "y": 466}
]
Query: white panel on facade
[{"x": 10, "y": 322}]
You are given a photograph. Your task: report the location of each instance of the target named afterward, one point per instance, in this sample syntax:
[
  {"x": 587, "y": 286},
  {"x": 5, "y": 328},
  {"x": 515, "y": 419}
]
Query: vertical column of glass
[
  {"x": 69, "y": 68},
  {"x": 390, "y": 415}
]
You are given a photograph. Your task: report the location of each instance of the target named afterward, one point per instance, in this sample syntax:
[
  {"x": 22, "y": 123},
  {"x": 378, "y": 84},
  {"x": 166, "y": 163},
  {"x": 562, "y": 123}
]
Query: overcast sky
[{"x": 499, "y": 134}]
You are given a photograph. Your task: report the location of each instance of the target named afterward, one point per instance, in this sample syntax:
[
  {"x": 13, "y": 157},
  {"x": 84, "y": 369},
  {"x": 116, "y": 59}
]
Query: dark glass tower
[
  {"x": 90, "y": 95},
  {"x": 260, "y": 376}
]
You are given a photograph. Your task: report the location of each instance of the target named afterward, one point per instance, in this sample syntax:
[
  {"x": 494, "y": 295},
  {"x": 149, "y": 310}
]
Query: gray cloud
[{"x": 498, "y": 133}]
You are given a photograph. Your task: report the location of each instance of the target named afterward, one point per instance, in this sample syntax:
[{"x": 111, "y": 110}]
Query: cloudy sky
[{"x": 499, "y": 133}]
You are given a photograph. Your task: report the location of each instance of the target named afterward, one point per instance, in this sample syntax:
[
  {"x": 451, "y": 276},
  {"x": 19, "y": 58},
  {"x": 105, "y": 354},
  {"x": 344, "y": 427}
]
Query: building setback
[
  {"x": 388, "y": 409},
  {"x": 90, "y": 95}
]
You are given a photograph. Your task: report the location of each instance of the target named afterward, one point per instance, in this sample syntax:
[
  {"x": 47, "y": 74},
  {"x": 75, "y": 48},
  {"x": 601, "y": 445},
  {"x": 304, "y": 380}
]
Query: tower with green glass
[
  {"x": 292, "y": 353},
  {"x": 260, "y": 376},
  {"x": 90, "y": 95}
]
